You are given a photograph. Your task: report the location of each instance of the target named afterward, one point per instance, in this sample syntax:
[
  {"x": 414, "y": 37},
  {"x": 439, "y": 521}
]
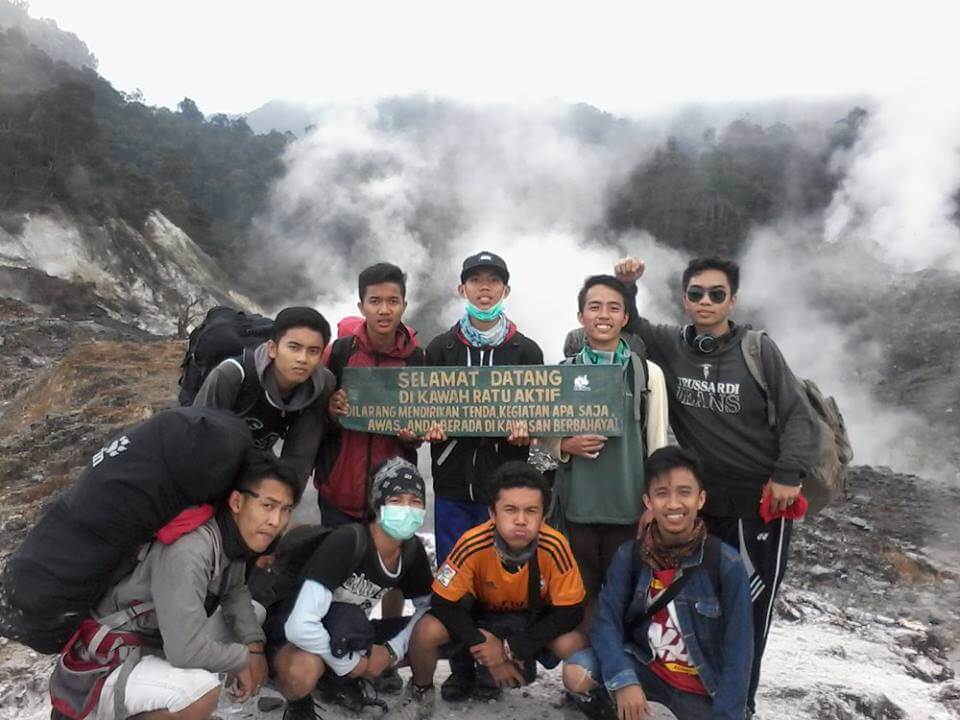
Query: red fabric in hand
[{"x": 793, "y": 512}]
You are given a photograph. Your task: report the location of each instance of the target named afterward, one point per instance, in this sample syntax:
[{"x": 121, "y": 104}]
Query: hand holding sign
[
  {"x": 409, "y": 437},
  {"x": 436, "y": 433},
  {"x": 585, "y": 446},
  {"x": 338, "y": 405},
  {"x": 519, "y": 434}
]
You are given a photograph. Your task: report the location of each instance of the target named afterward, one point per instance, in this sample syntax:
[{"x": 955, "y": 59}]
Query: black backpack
[
  {"x": 827, "y": 477},
  {"x": 224, "y": 333},
  {"x": 276, "y": 584},
  {"x": 133, "y": 487}
]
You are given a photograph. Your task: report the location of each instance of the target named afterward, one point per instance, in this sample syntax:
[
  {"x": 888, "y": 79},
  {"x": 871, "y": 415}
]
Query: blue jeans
[
  {"x": 451, "y": 519},
  {"x": 685, "y": 705}
]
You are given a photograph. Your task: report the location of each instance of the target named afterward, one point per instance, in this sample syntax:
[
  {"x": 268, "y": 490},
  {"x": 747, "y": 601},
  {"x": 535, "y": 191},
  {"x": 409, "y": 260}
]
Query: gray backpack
[{"x": 828, "y": 476}]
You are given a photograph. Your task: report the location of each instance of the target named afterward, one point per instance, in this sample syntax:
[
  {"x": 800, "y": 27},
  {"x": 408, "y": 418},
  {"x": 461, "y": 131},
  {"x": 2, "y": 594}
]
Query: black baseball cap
[{"x": 485, "y": 259}]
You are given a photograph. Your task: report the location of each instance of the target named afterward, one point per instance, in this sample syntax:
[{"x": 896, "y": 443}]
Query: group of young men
[{"x": 653, "y": 581}]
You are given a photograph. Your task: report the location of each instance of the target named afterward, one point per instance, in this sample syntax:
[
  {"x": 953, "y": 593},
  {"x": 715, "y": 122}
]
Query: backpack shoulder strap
[
  {"x": 639, "y": 378},
  {"x": 712, "y": 550},
  {"x": 340, "y": 354},
  {"x": 360, "y": 547},
  {"x": 635, "y": 564},
  {"x": 711, "y": 563},
  {"x": 751, "y": 346},
  {"x": 249, "y": 383},
  {"x": 666, "y": 597},
  {"x": 534, "y": 601},
  {"x": 417, "y": 357},
  {"x": 641, "y": 373}
]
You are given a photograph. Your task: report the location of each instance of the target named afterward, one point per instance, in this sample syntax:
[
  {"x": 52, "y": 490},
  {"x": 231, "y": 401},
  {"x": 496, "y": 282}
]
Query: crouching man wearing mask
[{"x": 327, "y": 635}]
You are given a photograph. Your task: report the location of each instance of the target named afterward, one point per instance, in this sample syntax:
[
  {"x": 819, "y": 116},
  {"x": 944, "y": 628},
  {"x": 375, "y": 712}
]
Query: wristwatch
[{"x": 392, "y": 653}]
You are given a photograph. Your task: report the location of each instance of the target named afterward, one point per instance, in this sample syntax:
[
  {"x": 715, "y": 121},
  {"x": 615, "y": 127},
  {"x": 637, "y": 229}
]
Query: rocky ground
[
  {"x": 867, "y": 623},
  {"x": 68, "y": 381}
]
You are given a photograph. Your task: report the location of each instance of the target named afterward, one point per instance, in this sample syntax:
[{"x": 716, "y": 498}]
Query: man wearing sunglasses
[{"x": 720, "y": 413}]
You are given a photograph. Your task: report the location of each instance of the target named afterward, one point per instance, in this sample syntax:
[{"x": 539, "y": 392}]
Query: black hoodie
[
  {"x": 300, "y": 420},
  {"x": 718, "y": 411}
]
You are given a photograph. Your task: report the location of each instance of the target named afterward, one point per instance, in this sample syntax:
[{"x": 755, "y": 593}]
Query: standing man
[
  {"x": 381, "y": 340},
  {"x": 483, "y": 336},
  {"x": 600, "y": 479},
  {"x": 720, "y": 413},
  {"x": 461, "y": 466},
  {"x": 280, "y": 389}
]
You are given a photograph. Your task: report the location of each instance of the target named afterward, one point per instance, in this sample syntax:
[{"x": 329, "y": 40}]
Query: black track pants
[{"x": 764, "y": 549}]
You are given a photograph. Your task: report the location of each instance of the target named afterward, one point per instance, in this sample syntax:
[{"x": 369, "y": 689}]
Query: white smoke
[
  {"x": 901, "y": 181},
  {"x": 781, "y": 286},
  {"x": 895, "y": 212}
]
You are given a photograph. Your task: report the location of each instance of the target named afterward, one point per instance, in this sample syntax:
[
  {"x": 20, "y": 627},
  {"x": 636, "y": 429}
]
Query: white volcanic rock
[{"x": 146, "y": 276}]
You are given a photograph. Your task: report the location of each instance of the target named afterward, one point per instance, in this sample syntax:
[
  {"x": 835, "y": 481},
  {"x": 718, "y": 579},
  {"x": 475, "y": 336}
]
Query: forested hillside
[
  {"x": 704, "y": 195},
  {"x": 68, "y": 139},
  {"x": 46, "y": 35}
]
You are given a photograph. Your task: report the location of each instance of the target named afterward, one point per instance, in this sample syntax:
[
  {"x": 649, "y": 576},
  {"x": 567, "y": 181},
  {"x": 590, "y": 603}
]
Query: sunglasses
[{"x": 717, "y": 295}]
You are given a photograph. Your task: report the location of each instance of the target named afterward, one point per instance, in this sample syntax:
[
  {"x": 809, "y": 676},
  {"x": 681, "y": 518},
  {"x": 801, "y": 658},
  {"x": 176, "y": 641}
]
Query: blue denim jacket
[{"x": 717, "y": 631}]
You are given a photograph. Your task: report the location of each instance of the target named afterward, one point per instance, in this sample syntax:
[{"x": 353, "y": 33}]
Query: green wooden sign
[{"x": 481, "y": 401}]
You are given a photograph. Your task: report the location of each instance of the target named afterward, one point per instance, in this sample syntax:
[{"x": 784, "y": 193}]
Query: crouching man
[
  {"x": 326, "y": 635},
  {"x": 509, "y": 593},
  {"x": 674, "y": 623},
  {"x": 154, "y": 646}
]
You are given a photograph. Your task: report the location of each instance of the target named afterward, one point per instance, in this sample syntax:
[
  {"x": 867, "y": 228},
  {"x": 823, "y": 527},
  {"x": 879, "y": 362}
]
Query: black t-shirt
[{"x": 368, "y": 581}]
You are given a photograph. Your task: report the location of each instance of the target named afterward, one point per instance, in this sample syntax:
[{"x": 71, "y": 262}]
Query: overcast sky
[{"x": 628, "y": 58}]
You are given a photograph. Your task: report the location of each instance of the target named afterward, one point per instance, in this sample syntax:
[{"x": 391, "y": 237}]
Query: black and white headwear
[{"x": 395, "y": 476}]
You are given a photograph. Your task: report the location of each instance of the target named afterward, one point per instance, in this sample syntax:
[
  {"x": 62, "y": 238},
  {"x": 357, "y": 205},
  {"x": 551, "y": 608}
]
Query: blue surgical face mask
[
  {"x": 401, "y": 522},
  {"x": 485, "y": 315}
]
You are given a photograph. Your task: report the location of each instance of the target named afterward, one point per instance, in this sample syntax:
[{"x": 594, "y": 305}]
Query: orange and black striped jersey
[{"x": 474, "y": 568}]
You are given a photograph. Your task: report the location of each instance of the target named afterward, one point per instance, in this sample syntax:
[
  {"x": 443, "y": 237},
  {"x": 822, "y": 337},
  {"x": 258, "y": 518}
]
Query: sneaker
[
  {"x": 416, "y": 704},
  {"x": 597, "y": 705},
  {"x": 485, "y": 687},
  {"x": 269, "y": 703},
  {"x": 303, "y": 709},
  {"x": 389, "y": 683},
  {"x": 458, "y": 686},
  {"x": 353, "y": 694}
]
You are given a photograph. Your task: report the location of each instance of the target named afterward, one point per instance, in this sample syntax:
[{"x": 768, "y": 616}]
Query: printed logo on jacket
[{"x": 702, "y": 392}]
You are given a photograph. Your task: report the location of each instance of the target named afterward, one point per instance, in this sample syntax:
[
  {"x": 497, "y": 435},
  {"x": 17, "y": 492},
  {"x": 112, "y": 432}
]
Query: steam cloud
[
  {"x": 425, "y": 183},
  {"x": 901, "y": 182},
  {"x": 780, "y": 286}
]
